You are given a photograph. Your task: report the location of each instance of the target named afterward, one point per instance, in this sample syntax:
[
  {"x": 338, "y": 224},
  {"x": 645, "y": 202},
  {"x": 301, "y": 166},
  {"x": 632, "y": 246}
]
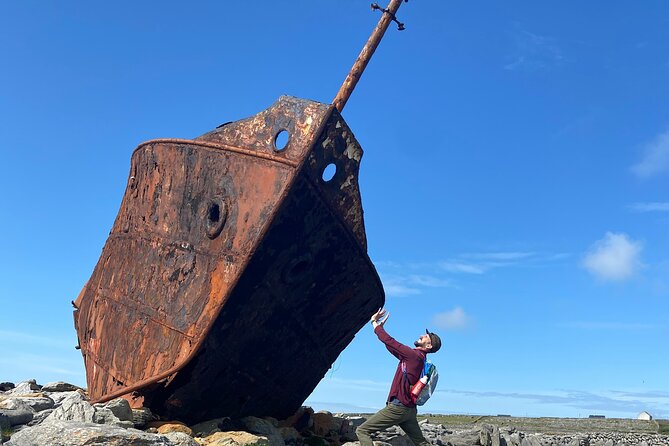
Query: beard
[{"x": 417, "y": 344}]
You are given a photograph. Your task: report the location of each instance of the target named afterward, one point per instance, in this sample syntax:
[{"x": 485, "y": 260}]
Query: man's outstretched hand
[{"x": 380, "y": 317}]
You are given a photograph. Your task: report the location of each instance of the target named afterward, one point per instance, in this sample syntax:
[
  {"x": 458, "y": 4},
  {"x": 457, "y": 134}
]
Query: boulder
[
  {"x": 347, "y": 431},
  {"x": 116, "y": 412},
  {"x": 5, "y": 427},
  {"x": 325, "y": 424},
  {"x": 531, "y": 440},
  {"x": 300, "y": 420},
  {"x": 72, "y": 433},
  {"x": 315, "y": 441},
  {"x": 74, "y": 407},
  {"x": 58, "y": 397},
  {"x": 25, "y": 388},
  {"x": 263, "y": 427},
  {"x": 60, "y": 386},
  {"x": 120, "y": 408},
  {"x": 180, "y": 439},
  {"x": 142, "y": 416},
  {"x": 511, "y": 439},
  {"x": 208, "y": 427},
  {"x": 175, "y": 427},
  {"x": 6, "y": 386},
  {"x": 355, "y": 421},
  {"x": 462, "y": 438},
  {"x": 17, "y": 417},
  {"x": 290, "y": 435},
  {"x": 37, "y": 403},
  {"x": 103, "y": 415},
  {"x": 234, "y": 438},
  {"x": 399, "y": 440},
  {"x": 485, "y": 435},
  {"x": 39, "y": 417}
]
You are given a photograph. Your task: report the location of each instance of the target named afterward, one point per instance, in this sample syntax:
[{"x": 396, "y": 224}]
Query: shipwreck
[{"x": 236, "y": 270}]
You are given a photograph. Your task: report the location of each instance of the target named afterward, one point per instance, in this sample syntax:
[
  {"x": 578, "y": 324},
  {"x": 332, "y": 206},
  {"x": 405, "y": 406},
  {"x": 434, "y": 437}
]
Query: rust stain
[{"x": 230, "y": 263}]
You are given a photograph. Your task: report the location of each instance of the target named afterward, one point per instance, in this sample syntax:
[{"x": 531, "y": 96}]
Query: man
[{"x": 400, "y": 410}]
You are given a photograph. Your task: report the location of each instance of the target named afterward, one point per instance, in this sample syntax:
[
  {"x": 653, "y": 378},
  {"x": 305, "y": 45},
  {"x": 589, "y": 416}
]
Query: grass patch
[
  {"x": 5, "y": 434},
  {"x": 663, "y": 427}
]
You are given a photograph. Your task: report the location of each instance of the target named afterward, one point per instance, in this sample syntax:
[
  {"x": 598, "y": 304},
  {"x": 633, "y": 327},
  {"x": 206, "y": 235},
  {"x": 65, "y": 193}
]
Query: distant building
[
  {"x": 597, "y": 416},
  {"x": 644, "y": 416}
]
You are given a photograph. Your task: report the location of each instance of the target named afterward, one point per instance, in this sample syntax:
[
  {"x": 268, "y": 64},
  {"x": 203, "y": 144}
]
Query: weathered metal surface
[
  {"x": 234, "y": 274},
  {"x": 367, "y": 52}
]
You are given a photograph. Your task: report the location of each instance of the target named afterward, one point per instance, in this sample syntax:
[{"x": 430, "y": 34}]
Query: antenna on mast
[{"x": 367, "y": 51}]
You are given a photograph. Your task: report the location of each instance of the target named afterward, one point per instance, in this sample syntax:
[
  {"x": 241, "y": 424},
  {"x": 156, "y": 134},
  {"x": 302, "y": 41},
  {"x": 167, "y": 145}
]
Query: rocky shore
[{"x": 59, "y": 414}]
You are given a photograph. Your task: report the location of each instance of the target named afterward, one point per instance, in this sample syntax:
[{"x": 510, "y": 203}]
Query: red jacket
[{"x": 414, "y": 360}]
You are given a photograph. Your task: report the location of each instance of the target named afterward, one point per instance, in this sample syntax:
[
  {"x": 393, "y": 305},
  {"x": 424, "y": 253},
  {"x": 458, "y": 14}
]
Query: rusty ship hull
[{"x": 235, "y": 272}]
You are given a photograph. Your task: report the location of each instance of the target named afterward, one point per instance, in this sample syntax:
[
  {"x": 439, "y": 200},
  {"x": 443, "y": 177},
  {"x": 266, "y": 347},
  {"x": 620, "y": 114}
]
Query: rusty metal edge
[
  {"x": 347, "y": 228},
  {"x": 261, "y": 236},
  {"x": 214, "y": 145}
]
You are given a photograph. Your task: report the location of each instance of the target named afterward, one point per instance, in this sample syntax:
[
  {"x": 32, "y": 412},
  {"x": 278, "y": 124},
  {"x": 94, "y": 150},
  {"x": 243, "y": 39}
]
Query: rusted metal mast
[{"x": 367, "y": 51}]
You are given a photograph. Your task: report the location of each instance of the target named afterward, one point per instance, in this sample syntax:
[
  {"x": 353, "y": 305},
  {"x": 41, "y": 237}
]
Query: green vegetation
[
  {"x": 663, "y": 427},
  {"x": 5, "y": 434},
  {"x": 550, "y": 425}
]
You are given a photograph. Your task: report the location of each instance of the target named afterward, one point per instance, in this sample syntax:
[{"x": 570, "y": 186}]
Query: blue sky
[{"x": 515, "y": 178}]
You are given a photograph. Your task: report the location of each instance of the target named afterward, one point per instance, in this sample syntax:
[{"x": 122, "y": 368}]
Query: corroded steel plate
[{"x": 234, "y": 274}]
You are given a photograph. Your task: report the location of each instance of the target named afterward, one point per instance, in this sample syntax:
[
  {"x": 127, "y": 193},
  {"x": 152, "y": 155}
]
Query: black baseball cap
[{"x": 434, "y": 340}]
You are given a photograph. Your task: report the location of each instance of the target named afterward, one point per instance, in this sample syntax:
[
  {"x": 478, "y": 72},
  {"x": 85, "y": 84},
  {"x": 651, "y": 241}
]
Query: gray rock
[
  {"x": 6, "y": 386},
  {"x": 60, "y": 386},
  {"x": 355, "y": 421},
  {"x": 180, "y": 439},
  {"x": 40, "y": 416},
  {"x": 494, "y": 436},
  {"x": 207, "y": 428},
  {"x": 73, "y": 408},
  {"x": 18, "y": 416},
  {"x": 15, "y": 403},
  {"x": 485, "y": 436},
  {"x": 462, "y": 438},
  {"x": 103, "y": 415},
  {"x": 265, "y": 428},
  {"x": 512, "y": 439},
  {"x": 400, "y": 440},
  {"x": 37, "y": 404},
  {"x": 25, "y": 388},
  {"x": 290, "y": 435},
  {"x": 5, "y": 427},
  {"x": 140, "y": 417},
  {"x": 116, "y": 412},
  {"x": 120, "y": 408},
  {"x": 70, "y": 433},
  {"x": 531, "y": 440},
  {"x": 58, "y": 397}
]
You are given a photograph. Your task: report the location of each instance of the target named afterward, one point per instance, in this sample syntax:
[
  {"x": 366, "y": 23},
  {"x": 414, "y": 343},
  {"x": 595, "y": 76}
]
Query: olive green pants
[{"x": 391, "y": 415}]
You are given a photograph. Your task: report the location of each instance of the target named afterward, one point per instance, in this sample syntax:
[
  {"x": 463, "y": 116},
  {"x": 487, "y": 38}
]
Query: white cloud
[
  {"x": 612, "y": 402},
  {"x": 656, "y": 157},
  {"x": 613, "y": 326},
  {"x": 455, "y": 319},
  {"x": 399, "y": 290},
  {"x": 428, "y": 281},
  {"x": 397, "y": 285},
  {"x": 504, "y": 256},
  {"x": 533, "y": 52},
  {"x": 615, "y": 257},
  {"x": 650, "y": 207},
  {"x": 461, "y": 267}
]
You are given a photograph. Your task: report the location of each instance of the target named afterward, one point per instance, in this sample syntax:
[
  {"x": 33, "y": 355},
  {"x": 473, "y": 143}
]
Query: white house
[{"x": 644, "y": 416}]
